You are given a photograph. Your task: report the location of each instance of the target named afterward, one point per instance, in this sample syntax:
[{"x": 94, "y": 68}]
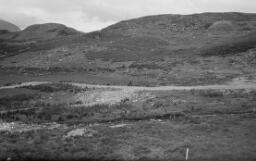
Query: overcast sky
[{"x": 89, "y": 15}]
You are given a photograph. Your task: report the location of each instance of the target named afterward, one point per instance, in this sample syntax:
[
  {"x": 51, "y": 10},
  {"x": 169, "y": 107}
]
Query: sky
[{"x": 91, "y": 15}]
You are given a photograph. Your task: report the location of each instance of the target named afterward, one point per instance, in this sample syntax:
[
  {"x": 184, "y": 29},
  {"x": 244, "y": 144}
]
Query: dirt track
[{"x": 235, "y": 84}]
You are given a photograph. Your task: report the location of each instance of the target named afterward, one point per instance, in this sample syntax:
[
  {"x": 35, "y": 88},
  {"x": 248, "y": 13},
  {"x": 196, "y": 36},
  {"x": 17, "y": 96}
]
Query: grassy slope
[{"x": 168, "y": 49}]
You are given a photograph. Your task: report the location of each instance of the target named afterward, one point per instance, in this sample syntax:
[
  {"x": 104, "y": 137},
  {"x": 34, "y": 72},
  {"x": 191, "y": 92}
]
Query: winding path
[{"x": 236, "y": 84}]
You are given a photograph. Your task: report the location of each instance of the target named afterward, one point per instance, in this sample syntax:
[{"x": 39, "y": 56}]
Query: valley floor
[{"x": 76, "y": 121}]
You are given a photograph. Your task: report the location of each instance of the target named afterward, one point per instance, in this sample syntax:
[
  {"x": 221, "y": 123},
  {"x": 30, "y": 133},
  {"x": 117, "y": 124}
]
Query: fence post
[{"x": 187, "y": 151}]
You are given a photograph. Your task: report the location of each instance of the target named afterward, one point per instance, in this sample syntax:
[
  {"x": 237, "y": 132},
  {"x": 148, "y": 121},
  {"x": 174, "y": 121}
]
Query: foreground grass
[
  {"x": 213, "y": 124},
  {"x": 216, "y": 138}
]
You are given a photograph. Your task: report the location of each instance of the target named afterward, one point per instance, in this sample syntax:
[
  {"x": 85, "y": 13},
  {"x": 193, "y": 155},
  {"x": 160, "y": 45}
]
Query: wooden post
[{"x": 187, "y": 151}]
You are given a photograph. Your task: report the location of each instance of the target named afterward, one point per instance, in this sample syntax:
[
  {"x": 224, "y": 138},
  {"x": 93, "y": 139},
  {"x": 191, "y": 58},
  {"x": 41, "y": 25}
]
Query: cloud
[{"x": 89, "y": 15}]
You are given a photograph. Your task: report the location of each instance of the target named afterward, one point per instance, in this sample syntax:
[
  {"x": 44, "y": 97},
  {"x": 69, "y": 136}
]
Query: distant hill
[
  {"x": 172, "y": 35},
  {"x": 181, "y": 23},
  {"x": 42, "y": 32},
  {"x": 46, "y": 31},
  {"x": 4, "y": 25},
  {"x": 36, "y": 37}
]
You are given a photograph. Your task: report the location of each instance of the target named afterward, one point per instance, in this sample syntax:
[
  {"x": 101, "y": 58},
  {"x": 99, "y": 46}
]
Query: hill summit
[
  {"x": 41, "y": 32},
  {"x": 46, "y": 31}
]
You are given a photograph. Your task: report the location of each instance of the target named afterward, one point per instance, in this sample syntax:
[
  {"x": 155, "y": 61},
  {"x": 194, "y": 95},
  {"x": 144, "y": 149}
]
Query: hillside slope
[
  {"x": 181, "y": 33},
  {"x": 172, "y": 49},
  {"x": 4, "y": 25}
]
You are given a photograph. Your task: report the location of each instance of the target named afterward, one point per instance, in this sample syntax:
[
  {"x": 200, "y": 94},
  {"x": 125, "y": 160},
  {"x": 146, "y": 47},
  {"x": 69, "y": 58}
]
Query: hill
[
  {"x": 46, "y": 31},
  {"x": 179, "y": 49},
  {"x": 4, "y": 25},
  {"x": 181, "y": 33},
  {"x": 36, "y": 37},
  {"x": 41, "y": 32}
]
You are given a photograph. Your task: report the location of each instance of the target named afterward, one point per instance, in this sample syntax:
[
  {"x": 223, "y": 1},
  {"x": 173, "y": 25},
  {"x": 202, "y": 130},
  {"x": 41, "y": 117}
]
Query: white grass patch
[
  {"x": 80, "y": 132},
  {"x": 109, "y": 97},
  {"x": 119, "y": 125},
  {"x": 112, "y": 96},
  {"x": 22, "y": 127}
]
